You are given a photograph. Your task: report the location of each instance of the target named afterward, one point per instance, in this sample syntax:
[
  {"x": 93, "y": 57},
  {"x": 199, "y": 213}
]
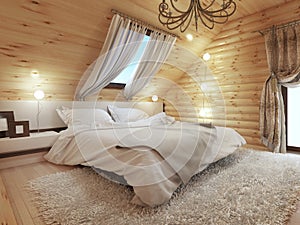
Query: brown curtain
[{"x": 283, "y": 54}]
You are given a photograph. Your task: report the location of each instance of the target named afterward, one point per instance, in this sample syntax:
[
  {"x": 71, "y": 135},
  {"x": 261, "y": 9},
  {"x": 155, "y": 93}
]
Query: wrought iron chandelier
[{"x": 173, "y": 17}]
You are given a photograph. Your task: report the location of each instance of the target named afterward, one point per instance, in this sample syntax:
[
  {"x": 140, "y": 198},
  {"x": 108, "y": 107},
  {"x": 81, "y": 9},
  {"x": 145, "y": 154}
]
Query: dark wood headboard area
[{"x": 49, "y": 119}]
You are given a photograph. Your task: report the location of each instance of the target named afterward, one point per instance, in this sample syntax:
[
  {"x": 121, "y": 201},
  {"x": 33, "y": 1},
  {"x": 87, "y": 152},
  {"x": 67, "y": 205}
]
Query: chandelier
[{"x": 209, "y": 14}]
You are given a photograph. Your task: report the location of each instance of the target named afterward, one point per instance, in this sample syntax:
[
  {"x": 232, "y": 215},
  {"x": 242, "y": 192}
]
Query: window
[
  {"x": 128, "y": 72},
  {"x": 292, "y": 111}
]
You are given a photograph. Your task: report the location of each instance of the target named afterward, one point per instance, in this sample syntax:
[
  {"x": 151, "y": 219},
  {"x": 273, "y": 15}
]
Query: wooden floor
[
  {"x": 14, "y": 180},
  {"x": 23, "y": 213}
]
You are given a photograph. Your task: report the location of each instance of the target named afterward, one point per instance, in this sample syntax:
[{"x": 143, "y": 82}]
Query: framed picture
[
  {"x": 6, "y": 119},
  {"x": 11, "y": 128},
  {"x": 19, "y": 129}
]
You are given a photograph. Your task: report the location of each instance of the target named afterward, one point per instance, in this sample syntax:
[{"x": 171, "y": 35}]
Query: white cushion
[
  {"x": 157, "y": 119},
  {"x": 62, "y": 114},
  {"x": 126, "y": 114},
  {"x": 84, "y": 116}
]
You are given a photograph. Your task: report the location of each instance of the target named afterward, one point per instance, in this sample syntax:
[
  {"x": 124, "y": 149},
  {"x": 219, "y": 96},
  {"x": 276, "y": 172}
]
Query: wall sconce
[
  {"x": 189, "y": 37},
  {"x": 205, "y": 112},
  {"x": 39, "y": 95},
  {"x": 154, "y": 98},
  {"x": 206, "y": 56}
]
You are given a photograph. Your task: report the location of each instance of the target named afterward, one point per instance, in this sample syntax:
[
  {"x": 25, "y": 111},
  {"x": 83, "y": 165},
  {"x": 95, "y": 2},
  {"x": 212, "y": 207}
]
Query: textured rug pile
[{"x": 247, "y": 187}]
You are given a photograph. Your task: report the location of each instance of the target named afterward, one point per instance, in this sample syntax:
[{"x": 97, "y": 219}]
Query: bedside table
[
  {"x": 34, "y": 141},
  {"x": 25, "y": 150}
]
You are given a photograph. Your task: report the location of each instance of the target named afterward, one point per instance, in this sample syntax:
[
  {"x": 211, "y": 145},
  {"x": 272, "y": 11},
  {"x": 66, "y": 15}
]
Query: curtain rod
[
  {"x": 143, "y": 23},
  {"x": 281, "y": 26}
]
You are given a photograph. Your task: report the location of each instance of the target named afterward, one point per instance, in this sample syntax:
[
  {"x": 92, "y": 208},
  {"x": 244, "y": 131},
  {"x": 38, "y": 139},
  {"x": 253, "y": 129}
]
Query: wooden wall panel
[
  {"x": 61, "y": 38},
  {"x": 240, "y": 67},
  {"x": 239, "y": 64}
]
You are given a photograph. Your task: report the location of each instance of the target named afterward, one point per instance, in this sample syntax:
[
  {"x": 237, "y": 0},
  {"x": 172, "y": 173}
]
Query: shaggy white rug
[{"x": 247, "y": 187}]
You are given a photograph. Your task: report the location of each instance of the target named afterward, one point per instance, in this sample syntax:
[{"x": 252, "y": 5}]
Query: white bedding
[{"x": 154, "y": 156}]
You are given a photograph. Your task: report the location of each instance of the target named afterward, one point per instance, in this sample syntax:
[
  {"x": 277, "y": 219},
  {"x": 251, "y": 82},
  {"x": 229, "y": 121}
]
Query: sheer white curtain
[
  {"x": 122, "y": 42},
  {"x": 155, "y": 54}
]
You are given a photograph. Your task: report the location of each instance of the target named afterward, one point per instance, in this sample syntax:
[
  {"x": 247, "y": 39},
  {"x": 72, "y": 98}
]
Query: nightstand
[{"x": 13, "y": 151}]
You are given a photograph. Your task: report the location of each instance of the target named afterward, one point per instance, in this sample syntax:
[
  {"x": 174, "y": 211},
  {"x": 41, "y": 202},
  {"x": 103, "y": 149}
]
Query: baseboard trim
[{"x": 24, "y": 152}]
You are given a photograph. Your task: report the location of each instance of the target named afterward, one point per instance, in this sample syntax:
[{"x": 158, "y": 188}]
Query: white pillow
[
  {"x": 126, "y": 114},
  {"x": 84, "y": 116},
  {"x": 62, "y": 114},
  {"x": 157, "y": 119}
]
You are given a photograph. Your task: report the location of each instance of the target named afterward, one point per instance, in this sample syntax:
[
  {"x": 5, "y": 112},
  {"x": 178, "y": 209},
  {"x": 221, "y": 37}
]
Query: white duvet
[{"x": 154, "y": 156}]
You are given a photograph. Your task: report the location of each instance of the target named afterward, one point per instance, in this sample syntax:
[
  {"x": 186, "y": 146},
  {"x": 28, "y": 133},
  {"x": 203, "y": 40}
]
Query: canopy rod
[
  {"x": 143, "y": 23},
  {"x": 281, "y": 26}
]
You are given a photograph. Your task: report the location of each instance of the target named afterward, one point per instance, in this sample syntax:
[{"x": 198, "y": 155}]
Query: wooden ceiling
[{"x": 61, "y": 38}]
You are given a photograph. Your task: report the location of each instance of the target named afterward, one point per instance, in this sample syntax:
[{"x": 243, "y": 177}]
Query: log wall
[
  {"x": 239, "y": 64},
  {"x": 48, "y": 35}
]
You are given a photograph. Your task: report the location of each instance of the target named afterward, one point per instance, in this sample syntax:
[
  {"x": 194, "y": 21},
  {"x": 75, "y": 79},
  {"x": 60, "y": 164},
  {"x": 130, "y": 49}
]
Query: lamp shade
[{"x": 39, "y": 94}]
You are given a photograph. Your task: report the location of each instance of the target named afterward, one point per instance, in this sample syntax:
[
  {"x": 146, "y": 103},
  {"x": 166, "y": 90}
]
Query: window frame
[
  {"x": 115, "y": 86},
  {"x": 122, "y": 85},
  {"x": 284, "y": 91}
]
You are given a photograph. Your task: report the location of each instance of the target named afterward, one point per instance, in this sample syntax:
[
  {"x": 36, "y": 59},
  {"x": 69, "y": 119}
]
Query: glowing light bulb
[
  {"x": 205, "y": 112},
  {"x": 39, "y": 94},
  {"x": 206, "y": 56},
  {"x": 154, "y": 98},
  {"x": 189, "y": 37}
]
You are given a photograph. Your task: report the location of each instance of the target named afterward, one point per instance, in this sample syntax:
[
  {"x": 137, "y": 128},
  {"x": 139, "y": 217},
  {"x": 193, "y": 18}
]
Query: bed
[{"x": 153, "y": 154}]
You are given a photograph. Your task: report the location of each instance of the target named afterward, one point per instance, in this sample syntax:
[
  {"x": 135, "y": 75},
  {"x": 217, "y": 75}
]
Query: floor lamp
[{"x": 39, "y": 95}]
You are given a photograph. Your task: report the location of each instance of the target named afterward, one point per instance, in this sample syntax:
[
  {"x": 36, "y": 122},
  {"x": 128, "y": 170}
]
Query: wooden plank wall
[
  {"x": 48, "y": 36},
  {"x": 239, "y": 64}
]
